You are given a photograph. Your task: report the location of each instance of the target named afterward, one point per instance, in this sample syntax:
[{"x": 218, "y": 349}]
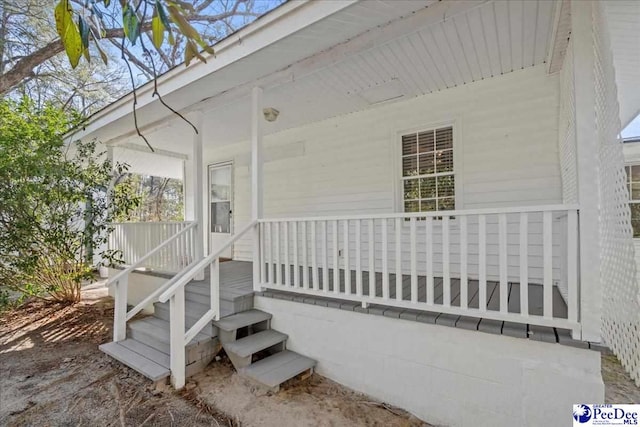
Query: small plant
[{"x": 56, "y": 204}]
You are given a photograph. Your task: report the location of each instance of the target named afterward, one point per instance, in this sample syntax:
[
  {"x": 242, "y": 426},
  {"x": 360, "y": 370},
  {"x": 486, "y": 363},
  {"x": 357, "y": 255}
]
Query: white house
[{"x": 423, "y": 200}]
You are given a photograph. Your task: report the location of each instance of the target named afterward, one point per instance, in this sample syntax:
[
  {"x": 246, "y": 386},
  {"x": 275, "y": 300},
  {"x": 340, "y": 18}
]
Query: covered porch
[{"x": 421, "y": 167}]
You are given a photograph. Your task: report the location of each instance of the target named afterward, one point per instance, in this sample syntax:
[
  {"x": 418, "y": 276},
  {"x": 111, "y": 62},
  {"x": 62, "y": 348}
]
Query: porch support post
[
  {"x": 198, "y": 192},
  {"x": 587, "y": 170},
  {"x": 256, "y": 179}
]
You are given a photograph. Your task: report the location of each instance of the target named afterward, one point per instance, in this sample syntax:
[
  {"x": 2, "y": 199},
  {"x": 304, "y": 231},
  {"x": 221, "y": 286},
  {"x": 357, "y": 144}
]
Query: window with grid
[
  {"x": 633, "y": 184},
  {"x": 428, "y": 180}
]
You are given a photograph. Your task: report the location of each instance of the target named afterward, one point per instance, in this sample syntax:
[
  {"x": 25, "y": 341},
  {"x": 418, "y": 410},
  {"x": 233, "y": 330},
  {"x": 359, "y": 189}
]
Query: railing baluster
[
  {"x": 314, "y": 257},
  {"x": 482, "y": 263},
  {"x": 287, "y": 267},
  {"x": 270, "y": 252},
  {"x": 358, "y": 259},
  {"x": 263, "y": 265},
  {"x": 547, "y": 283},
  {"x": 572, "y": 267},
  {"x": 398, "y": 243},
  {"x": 429, "y": 244},
  {"x": 502, "y": 250},
  {"x": 385, "y": 260},
  {"x": 336, "y": 266},
  {"x": 345, "y": 251},
  {"x": 305, "y": 259},
  {"x": 278, "y": 265},
  {"x": 414, "y": 261},
  {"x": 524, "y": 264},
  {"x": 372, "y": 258},
  {"x": 215, "y": 287},
  {"x": 296, "y": 256},
  {"x": 325, "y": 258},
  {"x": 446, "y": 267},
  {"x": 464, "y": 280}
]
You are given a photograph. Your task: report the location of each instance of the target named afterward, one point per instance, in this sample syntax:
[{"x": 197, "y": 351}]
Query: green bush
[{"x": 53, "y": 203}]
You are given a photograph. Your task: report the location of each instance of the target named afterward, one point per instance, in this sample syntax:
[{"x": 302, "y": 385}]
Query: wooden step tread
[
  {"x": 150, "y": 353},
  {"x": 146, "y": 367},
  {"x": 192, "y": 308},
  {"x": 240, "y": 320},
  {"x": 159, "y": 329},
  {"x": 278, "y": 368},
  {"x": 247, "y": 346}
]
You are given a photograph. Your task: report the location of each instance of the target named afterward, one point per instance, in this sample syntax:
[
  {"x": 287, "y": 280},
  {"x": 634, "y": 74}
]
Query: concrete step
[
  {"x": 135, "y": 360},
  {"x": 277, "y": 368},
  {"x": 154, "y": 332},
  {"x": 240, "y": 320},
  {"x": 254, "y": 343}
]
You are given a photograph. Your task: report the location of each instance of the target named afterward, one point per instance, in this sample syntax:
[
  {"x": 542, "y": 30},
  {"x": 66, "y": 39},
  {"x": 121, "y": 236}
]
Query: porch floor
[{"x": 236, "y": 279}]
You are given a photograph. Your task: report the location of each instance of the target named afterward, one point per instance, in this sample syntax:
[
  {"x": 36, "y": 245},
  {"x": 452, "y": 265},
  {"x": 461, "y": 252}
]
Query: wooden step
[
  {"x": 252, "y": 344},
  {"x": 240, "y": 320},
  {"x": 278, "y": 368},
  {"x": 136, "y": 361},
  {"x": 193, "y": 313},
  {"x": 150, "y": 353},
  {"x": 154, "y": 332}
]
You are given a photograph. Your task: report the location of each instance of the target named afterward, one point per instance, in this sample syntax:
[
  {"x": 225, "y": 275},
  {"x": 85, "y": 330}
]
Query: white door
[{"x": 220, "y": 206}]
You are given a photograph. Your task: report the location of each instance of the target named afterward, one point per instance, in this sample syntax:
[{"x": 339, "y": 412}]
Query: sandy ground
[{"x": 52, "y": 374}]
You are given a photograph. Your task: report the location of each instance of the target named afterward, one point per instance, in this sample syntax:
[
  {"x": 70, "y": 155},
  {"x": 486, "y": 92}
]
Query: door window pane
[
  {"x": 220, "y": 179},
  {"x": 220, "y": 217}
]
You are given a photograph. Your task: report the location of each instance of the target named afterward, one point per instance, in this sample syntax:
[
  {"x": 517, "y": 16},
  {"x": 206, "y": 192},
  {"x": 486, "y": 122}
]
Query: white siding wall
[{"x": 506, "y": 131}]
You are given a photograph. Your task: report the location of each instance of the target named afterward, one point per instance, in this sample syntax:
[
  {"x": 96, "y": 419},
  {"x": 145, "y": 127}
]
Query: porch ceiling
[{"x": 420, "y": 51}]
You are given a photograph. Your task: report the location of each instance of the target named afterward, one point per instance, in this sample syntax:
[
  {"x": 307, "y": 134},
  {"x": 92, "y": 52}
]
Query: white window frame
[{"x": 396, "y": 155}]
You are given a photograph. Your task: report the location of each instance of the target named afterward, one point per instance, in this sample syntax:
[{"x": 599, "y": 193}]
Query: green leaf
[
  {"x": 83, "y": 27},
  {"x": 162, "y": 14},
  {"x": 68, "y": 32},
  {"x": 130, "y": 24},
  {"x": 107, "y": 3},
  {"x": 157, "y": 30}
]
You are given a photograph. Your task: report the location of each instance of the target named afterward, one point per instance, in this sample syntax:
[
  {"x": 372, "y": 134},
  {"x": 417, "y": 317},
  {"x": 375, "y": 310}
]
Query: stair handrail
[
  {"x": 154, "y": 295},
  {"x": 175, "y": 294},
  {"x": 204, "y": 263},
  {"x": 149, "y": 254}
]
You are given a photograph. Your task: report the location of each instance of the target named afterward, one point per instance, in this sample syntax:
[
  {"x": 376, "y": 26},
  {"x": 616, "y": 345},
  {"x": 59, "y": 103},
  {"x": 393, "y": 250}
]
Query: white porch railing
[
  {"x": 137, "y": 239},
  {"x": 121, "y": 281},
  {"x": 174, "y": 293},
  {"x": 467, "y": 262}
]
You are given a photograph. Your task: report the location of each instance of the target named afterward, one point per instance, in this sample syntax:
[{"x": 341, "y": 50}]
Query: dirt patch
[
  {"x": 316, "y": 401},
  {"x": 618, "y": 387},
  {"x": 52, "y": 374}
]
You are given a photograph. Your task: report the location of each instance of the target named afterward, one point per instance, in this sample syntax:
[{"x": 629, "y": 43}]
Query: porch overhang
[{"x": 390, "y": 51}]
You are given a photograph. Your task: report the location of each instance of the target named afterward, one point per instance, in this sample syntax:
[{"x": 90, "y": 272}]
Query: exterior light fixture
[{"x": 270, "y": 114}]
